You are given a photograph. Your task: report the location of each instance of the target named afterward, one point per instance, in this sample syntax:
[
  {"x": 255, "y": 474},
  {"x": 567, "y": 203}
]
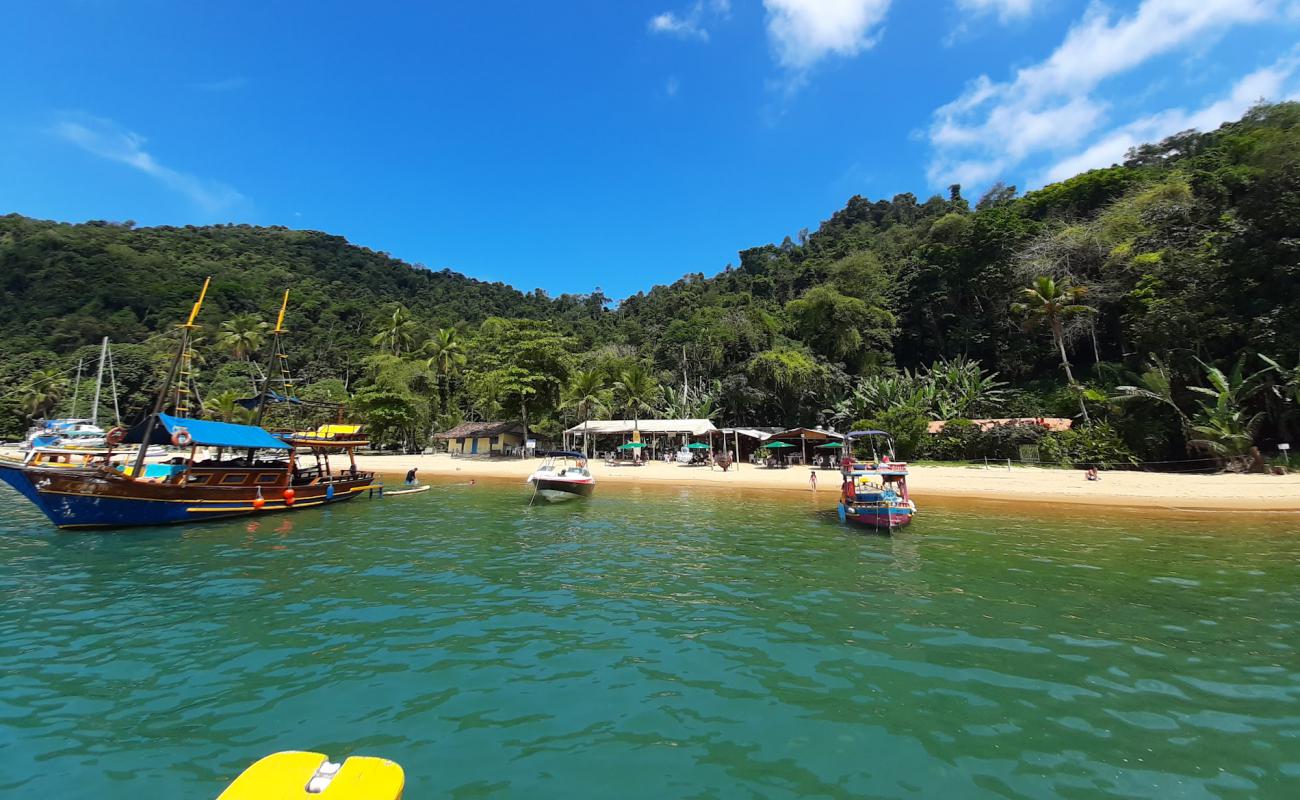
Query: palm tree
[
  {"x": 225, "y": 407},
  {"x": 446, "y": 357},
  {"x": 586, "y": 394},
  {"x": 1224, "y": 427},
  {"x": 1154, "y": 385},
  {"x": 637, "y": 391},
  {"x": 242, "y": 336},
  {"x": 396, "y": 331},
  {"x": 43, "y": 391},
  {"x": 1286, "y": 389},
  {"x": 1053, "y": 303}
]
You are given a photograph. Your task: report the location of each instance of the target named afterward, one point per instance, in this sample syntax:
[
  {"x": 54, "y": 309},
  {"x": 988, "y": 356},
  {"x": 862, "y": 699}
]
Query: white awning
[
  {"x": 612, "y": 427},
  {"x": 752, "y": 433}
]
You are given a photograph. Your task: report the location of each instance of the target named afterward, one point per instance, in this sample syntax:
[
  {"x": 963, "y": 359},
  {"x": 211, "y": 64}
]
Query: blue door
[{"x": 473, "y": 447}]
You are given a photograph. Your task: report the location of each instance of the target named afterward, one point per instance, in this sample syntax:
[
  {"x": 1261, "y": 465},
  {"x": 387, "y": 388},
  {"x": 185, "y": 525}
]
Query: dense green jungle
[{"x": 1153, "y": 302}]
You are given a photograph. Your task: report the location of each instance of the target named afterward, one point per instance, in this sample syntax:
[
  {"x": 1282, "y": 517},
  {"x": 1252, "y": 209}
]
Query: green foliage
[
  {"x": 908, "y": 426},
  {"x": 1092, "y": 445},
  {"x": 956, "y": 442},
  {"x": 242, "y": 336},
  {"x": 1187, "y": 251},
  {"x": 524, "y": 362},
  {"x": 635, "y": 391},
  {"x": 945, "y": 390}
]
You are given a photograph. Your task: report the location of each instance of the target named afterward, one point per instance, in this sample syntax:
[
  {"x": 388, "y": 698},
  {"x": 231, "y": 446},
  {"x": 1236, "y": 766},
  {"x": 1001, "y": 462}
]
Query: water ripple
[{"x": 653, "y": 645}]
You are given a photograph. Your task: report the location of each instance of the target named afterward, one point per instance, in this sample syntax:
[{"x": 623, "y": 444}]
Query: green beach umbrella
[
  {"x": 631, "y": 446},
  {"x": 697, "y": 446},
  {"x": 829, "y": 446},
  {"x": 775, "y": 445}
]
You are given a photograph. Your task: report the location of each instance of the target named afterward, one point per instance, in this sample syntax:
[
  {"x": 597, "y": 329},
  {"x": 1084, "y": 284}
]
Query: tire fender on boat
[{"x": 115, "y": 436}]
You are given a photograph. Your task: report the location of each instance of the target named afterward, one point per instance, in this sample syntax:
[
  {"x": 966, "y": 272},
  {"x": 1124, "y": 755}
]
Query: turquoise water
[{"x": 656, "y": 645}]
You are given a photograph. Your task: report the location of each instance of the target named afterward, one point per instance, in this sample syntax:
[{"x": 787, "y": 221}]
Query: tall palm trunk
[{"x": 1059, "y": 335}]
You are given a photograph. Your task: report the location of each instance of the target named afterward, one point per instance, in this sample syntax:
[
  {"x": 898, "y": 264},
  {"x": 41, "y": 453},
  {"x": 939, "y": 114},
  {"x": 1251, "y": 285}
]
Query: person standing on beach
[
  {"x": 812, "y": 480},
  {"x": 410, "y": 476}
]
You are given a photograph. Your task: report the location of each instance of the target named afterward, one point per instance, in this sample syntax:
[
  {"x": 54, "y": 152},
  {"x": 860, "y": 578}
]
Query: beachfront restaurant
[
  {"x": 745, "y": 444},
  {"x": 484, "y": 439},
  {"x": 807, "y": 446},
  {"x": 658, "y": 435}
]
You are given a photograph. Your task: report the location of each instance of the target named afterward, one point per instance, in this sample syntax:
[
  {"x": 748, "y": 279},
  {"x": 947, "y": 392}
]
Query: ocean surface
[{"x": 657, "y": 644}]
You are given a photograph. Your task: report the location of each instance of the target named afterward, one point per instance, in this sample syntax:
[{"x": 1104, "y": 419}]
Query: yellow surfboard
[{"x": 298, "y": 775}]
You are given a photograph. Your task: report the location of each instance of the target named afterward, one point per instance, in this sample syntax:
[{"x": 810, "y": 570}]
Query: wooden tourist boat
[
  {"x": 261, "y": 475},
  {"x": 558, "y": 480},
  {"x": 875, "y": 493},
  {"x": 265, "y": 477}
]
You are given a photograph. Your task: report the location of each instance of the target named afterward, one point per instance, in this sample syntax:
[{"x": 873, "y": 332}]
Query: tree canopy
[{"x": 1149, "y": 275}]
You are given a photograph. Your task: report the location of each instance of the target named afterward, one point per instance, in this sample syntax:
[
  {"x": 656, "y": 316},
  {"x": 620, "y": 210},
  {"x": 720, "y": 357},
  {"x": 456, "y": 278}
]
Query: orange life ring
[
  {"x": 181, "y": 438},
  {"x": 115, "y": 436}
]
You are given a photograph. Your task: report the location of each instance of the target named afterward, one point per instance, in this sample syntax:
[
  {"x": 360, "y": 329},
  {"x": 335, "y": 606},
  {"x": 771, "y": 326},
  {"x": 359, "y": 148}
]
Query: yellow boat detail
[{"x": 298, "y": 775}]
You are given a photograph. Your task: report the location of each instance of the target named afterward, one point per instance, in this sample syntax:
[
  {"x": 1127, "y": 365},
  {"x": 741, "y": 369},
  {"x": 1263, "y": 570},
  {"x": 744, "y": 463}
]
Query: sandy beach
[{"x": 1120, "y": 489}]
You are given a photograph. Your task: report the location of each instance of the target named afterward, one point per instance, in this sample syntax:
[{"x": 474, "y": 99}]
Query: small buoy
[
  {"x": 288, "y": 496},
  {"x": 329, "y": 492},
  {"x": 258, "y": 502}
]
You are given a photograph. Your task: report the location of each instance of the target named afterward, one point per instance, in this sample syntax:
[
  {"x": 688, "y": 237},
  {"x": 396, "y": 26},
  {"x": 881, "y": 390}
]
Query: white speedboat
[
  {"x": 80, "y": 433},
  {"x": 563, "y": 476}
]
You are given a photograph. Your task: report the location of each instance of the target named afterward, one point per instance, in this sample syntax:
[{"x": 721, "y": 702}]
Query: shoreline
[{"x": 1132, "y": 491}]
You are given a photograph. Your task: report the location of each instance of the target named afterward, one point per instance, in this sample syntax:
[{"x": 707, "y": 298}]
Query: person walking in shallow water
[
  {"x": 812, "y": 480},
  {"x": 410, "y": 476}
]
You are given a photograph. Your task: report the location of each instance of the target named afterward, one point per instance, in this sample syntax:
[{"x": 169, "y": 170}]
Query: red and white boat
[{"x": 563, "y": 476}]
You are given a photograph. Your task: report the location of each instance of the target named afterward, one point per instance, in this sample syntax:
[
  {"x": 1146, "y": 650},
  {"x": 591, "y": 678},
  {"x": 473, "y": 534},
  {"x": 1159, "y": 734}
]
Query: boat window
[
  {"x": 268, "y": 477},
  {"x": 234, "y": 478},
  {"x": 199, "y": 478}
]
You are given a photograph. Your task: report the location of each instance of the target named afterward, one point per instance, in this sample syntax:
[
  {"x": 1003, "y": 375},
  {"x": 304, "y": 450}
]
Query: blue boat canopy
[{"x": 207, "y": 433}]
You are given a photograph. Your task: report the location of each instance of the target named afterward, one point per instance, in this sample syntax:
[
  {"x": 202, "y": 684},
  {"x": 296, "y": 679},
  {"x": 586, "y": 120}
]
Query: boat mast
[
  {"x": 99, "y": 381},
  {"x": 76, "y": 389},
  {"x": 152, "y": 422},
  {"x": 276, "y": 355}
]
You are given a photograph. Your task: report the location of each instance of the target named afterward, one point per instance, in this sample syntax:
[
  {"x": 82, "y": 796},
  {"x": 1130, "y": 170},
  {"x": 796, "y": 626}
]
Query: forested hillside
[{"x": 1154, "y": 301}]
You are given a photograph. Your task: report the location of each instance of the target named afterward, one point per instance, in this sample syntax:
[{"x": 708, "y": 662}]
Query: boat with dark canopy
[
  {"x": 252, "y": 472},
  {"x": 874, "y": 493}
]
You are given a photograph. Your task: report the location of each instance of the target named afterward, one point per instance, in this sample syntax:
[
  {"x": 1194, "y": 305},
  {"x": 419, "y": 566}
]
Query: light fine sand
[{"x": 1157, "y": 491}]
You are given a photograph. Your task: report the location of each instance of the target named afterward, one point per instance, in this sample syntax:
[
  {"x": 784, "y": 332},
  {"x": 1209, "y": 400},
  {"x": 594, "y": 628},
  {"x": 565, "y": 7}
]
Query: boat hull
[
  {"x": 98, "y": 498},
  {"x": 886, "y": 518},
  {"x": 558, "y": 491}
]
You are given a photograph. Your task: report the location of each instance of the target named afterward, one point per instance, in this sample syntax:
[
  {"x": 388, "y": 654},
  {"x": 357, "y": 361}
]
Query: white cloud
[
  {"x": 1006, "y": 10},
  {"x": 672, "y": 86},
  {"x": 804, "y": 32},
  {"x": 685, "y": 27},
  {"x": 690, "y": 25},
  {"x": 108, "y": 140},
  {"x": 1048, "y": 106},
  {"x": 1272, "y": 83}
]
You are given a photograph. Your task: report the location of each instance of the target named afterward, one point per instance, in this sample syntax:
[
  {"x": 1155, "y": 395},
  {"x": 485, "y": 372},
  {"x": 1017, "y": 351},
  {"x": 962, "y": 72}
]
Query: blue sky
[{"x": 614, "y": 144}]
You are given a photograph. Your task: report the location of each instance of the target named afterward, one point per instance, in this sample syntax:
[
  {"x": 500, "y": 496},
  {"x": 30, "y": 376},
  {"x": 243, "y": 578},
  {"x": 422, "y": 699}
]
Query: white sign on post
[{"x": 1284, "y": 446}]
